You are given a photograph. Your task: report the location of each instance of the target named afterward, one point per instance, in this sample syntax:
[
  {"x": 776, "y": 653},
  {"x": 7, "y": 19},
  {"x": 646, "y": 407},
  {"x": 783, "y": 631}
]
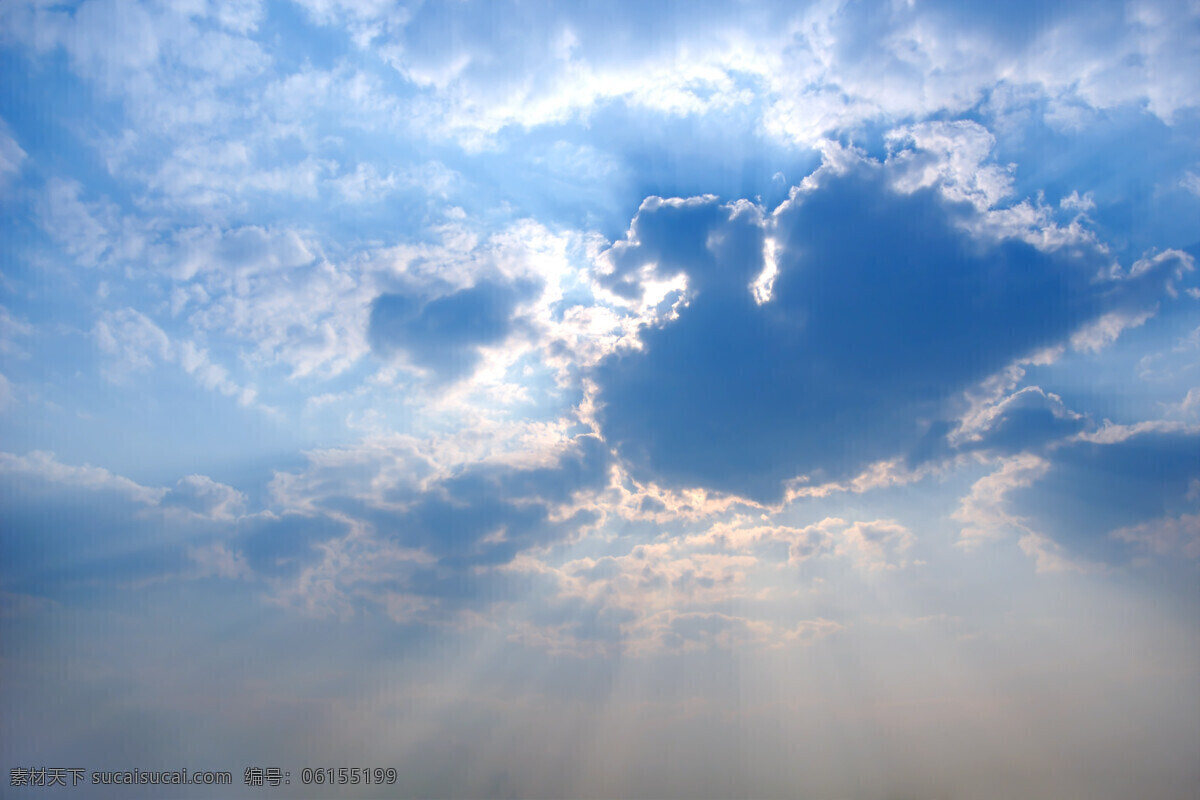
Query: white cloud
[
  {"x": 986, "y": 410},
  {"x": 67, "y": 218},
  {"x": 214, "y": 377},
  {"x": 1108, "y": 328},
  {"x": 952, "y": 155},
  {"x": 132, "y": 341},
  {"x": 106, "y": 38},
  {"x": 366, "y": 185},
  {"x": 806, "y": 74},
  {"x": 237, "y": 255},
  {"x": 1165, "y": 536},
  {"x": 204, "y": 497},
  {"x": 217, "y": 560},
  {"x": 1187, "y": 409},
  {"x": 1050, "y": 557},
  {"x": 365, "y": 471},
  {"x": 365, "y": 20},
  {"x": 44, "y": 465},
  {"x": 349, "y": 570},
  {"x": 12, "y": 157},
  {"x": 1191, "y": 182},
  {"x": 12, "y": 329},
  {"x": 240, "y": 16},
  {"x": 1073, "y": 202},
  {"x": 984, "y": 512},
  {"x": 1108, "y": 61},
  {"x": 270, "y": 291},
  {"x": 877, "y": 545},
  {"x": 809, "y": 631}
]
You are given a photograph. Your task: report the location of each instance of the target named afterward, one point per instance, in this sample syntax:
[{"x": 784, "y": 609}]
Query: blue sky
[{"x": 603, "y": 400}]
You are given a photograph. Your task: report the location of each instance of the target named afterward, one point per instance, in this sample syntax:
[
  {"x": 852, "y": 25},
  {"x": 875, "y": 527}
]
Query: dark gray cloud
[
  {"x": 1094, "y": 487},
  {"x": 72, "y": 530},
  {"x": 280, "y": 545},
  {"x": 884, "y": 309},
  {"x": 443, "y": 334},
  {"x": 484, "y": 515},
  {"x": 1026, "y": 421}
]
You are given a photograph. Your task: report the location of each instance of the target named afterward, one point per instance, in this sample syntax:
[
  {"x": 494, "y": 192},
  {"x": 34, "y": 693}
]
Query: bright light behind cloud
[{"x": 576, "y": 400}]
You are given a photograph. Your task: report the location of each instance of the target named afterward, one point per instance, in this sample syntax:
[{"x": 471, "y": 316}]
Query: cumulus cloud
[
  {"x": 237, "y": 255},
  {"x": 804, "y": 72},
  {"x": 267, "y": 291}
]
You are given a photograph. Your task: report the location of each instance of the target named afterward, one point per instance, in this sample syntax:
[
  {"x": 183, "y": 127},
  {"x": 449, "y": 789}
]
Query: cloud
[
  {"x": 952, "y": 155},
  {"x": 443, "y": 334},
  {"x": 12, "y": 157},
  {"x": 1165, "y": 536},
  {"x": 1050, "y": 557},
  {"x": 1023, "y": 421},
  {"x": 217, "y": 560},
  {"x": 132, "y": 340},
  {"x": 67, "y": 218},
  {"x": 359, "y": 526},
  {"x": 489, "y": 513},
  {"x": 1094, "y": 499},
  {"x": 44, "y": 466},
  {"x": 13, "y": 329},
  {"x": 241, "y": 16},
  {"x": 984, "y": 511},
  {"x": 878, "y": 545},
  {"x": 869, "y": 544},
  {"x": 1191, "y": 182},
  {"x": 71, "y": 528},
  {"x": 889, "y": 302},
  {"x": 238, "y": 254},
  {"x": 134, "y": 343},
  {"x": 271, "y": 292},
  {"x": 108, "y": 37},
  {"x": 204, "y": 497},
  {"x": 214, "y": 377},
  {"x": 802, "y": 73},
  {"x": 706, "y": 630},
  {"x": 1096, "y": 485}
]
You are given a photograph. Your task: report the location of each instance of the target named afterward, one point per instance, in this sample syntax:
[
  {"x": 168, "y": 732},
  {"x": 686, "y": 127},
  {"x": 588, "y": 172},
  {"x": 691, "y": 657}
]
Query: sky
[{"x": 647, "y": 400}]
